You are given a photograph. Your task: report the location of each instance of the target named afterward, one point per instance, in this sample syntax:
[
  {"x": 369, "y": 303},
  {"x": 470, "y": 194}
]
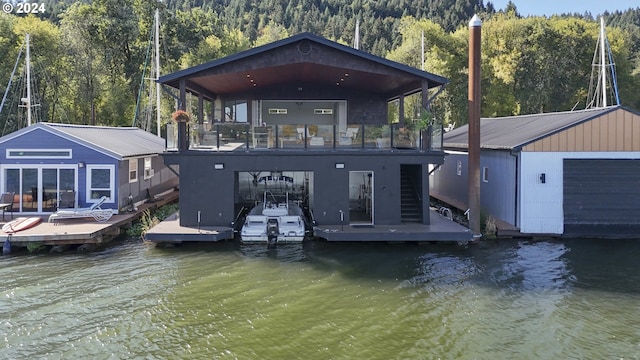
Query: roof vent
[{"x": 304, "y": 48}]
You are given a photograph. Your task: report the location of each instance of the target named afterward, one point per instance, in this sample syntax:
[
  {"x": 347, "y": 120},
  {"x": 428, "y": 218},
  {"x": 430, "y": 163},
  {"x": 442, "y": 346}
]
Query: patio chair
[
  {"x": 97, "y": 213},
  {"x": 6, "y": 202},
  {"x": 67, "y": 200}
]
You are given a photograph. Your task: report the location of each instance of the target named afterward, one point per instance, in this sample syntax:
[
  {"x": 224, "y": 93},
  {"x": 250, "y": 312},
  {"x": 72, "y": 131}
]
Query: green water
[{"x": 576, "y": 299}]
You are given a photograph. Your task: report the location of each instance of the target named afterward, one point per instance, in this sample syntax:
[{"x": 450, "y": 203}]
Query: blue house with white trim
[{"x": 45, "y": 162}]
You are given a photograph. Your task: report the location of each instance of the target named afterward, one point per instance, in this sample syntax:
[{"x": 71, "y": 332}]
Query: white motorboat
[{"x": 274, "y": 220}]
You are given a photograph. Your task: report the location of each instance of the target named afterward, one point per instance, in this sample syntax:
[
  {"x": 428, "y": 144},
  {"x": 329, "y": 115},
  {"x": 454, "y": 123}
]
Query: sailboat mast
[
  {"x": 157, "y": 45},
  {"x": 422, "y": 51},
  {"x": 603, "y": 70},
  {"x": 28, "y": 99}
]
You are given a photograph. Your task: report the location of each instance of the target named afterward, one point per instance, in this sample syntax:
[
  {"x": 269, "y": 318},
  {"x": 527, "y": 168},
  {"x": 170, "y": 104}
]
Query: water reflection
[{"x": 318, "y": 300}]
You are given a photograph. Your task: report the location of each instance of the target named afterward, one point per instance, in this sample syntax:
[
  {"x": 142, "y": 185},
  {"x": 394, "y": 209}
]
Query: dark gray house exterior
[{"x": 308, "y": 117}]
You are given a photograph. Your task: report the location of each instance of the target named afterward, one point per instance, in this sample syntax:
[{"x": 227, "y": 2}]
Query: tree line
[{"x": 88, "y": 57}]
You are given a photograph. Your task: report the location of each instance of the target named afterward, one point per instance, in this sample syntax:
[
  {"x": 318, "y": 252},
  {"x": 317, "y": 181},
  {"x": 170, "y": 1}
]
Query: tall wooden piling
[{"x": 474, "y": 98}]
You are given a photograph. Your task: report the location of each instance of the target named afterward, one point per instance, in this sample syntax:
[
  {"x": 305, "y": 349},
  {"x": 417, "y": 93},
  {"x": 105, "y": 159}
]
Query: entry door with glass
[
  {"x": 361, "y": 197},
  {"x": 39, "y": 188}
]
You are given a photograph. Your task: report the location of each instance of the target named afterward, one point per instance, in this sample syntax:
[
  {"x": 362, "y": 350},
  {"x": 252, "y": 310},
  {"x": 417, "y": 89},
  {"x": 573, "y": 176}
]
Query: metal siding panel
[
  {"x": 447, "y": 182},
  {"x": 498, "y": 195},
  {"x": 579, "y": 138},
  {"x": 541, "y": 204},
  {"x": 619, "y": 138},
  {"x": 627, "y": 133}
]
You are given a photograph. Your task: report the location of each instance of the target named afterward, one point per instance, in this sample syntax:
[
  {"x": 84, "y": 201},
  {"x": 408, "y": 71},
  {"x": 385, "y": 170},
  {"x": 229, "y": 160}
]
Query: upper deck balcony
[{"x": 244, "y": 137}]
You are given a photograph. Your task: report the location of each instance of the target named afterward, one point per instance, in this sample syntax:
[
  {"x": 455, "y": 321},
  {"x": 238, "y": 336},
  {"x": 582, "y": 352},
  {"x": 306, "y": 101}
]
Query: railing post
[
  {"x": 218, "y": 136},
  {"x": 334, "y": 135},
  {"x": 248, "y": 130}
]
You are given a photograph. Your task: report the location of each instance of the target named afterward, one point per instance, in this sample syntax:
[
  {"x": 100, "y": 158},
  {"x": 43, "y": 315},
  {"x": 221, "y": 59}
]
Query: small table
[{"x": 4, "y": 207}]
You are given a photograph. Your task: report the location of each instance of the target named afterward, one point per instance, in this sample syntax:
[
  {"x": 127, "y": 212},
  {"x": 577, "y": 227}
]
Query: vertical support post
[
  {"x": 182, "y": 125},
  {"x": 401, "y": 119},
  {"x": 28, "y": 102},
  {"x": 475, "y": 31},
  {"x": 157, "y": 47},
  {"x": 424, "y": 142}
]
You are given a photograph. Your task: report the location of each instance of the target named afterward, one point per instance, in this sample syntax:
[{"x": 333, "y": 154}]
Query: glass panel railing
[
  {"x": 172, "y": 136},
  {"x": 291, "y": 136},
  {"x": 218, "y": 136},
  {"x": 263, "y": 137},
  {"x": 377, "y": 136},
  {"x": 323, "y": 138},
  {"x": 349, "y": 136},
  {"x": 232, "y": 136},
  {"x": 437, "y": 133},
  {"x": 406, "y": 137}
]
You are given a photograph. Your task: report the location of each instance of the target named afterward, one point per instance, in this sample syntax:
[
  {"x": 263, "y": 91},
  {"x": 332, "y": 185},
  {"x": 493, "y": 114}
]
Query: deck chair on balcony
[{"x": 94, "y": 211}]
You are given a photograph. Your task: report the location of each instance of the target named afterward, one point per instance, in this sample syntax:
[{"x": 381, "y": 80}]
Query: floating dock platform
[
  {"x": 440, "y": 229},
  {"x": 83, "y": 230}
]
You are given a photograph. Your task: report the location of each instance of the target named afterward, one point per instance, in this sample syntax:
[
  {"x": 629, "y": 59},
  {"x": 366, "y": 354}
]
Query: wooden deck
[
  {"x": 81, "y": 231},
  {"x": 503, "y": 228}
]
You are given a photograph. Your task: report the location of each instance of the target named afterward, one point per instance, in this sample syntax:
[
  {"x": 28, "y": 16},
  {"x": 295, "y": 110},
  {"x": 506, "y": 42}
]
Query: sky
[{"x": 551, "y": 7}]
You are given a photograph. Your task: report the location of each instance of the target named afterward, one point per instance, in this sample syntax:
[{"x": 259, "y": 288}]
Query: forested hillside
[{"x": 88, "y": 57}]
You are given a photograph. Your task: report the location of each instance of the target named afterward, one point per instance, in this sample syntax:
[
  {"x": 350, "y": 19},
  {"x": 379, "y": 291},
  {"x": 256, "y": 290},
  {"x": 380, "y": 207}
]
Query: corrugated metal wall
[
  {"x": 497, "y": 194},
  {"x": 616, "y": 131}
]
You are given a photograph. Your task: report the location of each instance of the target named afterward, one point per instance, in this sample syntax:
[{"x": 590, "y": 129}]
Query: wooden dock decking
[
  {"x": 503, "y": 228},
  {"x": 83, "y": 230}
]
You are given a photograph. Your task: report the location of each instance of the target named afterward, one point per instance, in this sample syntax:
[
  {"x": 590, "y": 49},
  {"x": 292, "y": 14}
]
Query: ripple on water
[{"x": 515, "y": 299}]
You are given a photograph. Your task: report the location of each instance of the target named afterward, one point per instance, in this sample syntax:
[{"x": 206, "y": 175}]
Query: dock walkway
[{"x": 83, "y": 230}]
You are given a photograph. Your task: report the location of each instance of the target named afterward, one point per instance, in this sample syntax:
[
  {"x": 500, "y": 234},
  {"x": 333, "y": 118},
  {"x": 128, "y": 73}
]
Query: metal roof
[
  {"x": 118, "y": 142},
  {"x": 514, "y": 132},
  {"x": 265, "y": 67}
]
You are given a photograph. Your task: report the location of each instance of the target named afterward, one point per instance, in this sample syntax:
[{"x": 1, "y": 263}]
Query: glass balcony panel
[{"x": 377, "y": 136}]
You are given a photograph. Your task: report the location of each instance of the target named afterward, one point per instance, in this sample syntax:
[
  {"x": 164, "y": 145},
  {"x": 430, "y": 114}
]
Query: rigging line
[
  {"x": 55, "y": 100},
  {"x": 14, "y": 104},
  {"x": 15, "y": 66},
  {"x": 144, "y": 71},
  {"x": 613, "y": 74}
]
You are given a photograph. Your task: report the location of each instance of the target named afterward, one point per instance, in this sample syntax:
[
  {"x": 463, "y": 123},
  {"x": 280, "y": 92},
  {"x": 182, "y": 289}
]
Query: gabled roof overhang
[{"x": 302, "y": 60}]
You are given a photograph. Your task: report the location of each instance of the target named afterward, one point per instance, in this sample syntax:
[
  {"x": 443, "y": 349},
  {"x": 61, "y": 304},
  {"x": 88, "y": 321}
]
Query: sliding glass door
[{"x": 38, "y": 188}]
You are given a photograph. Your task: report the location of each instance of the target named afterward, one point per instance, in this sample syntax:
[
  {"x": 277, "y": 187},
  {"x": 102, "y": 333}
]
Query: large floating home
[
  {"x": 307, "y": 118},
  {"x": 570, "y": 174},
  {"x": 48, "y": 166}
]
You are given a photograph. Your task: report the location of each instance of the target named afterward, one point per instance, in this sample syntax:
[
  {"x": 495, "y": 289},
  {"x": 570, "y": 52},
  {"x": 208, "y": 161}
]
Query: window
[
  {"x": 148, "y": 170},
  {"x": 39, "y": 154},
  {"x": 485, "y": 174},
  {"x": 100, "y": 182},
  {"x": 133, "y": 170},
  {"x": 459, "y": 168}
]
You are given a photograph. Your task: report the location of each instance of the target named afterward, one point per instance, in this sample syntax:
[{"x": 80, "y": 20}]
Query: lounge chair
[{"x": 99, "y": 214}]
